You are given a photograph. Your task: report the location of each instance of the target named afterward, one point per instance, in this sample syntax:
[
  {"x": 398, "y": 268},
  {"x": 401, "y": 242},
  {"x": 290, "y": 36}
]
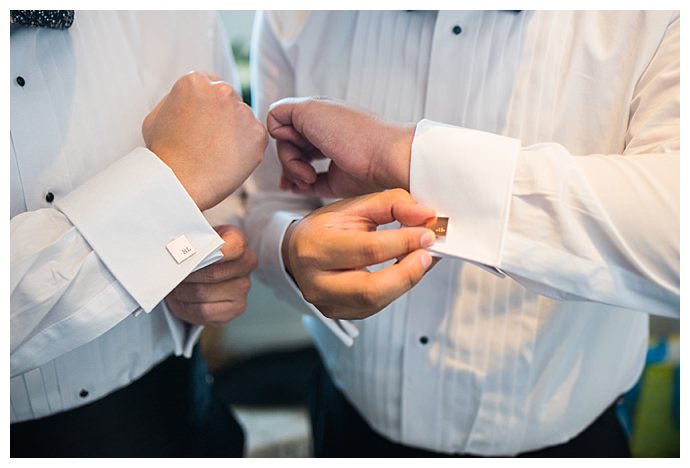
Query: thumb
[
  {"x": 235, "y": 242},
  {"x": 280, "y": 121}
]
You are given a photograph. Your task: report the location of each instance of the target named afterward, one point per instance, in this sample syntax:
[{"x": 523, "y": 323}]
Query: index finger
[
  {"x": 294, "y": 162},
  {"x": 351, "y": 249},
  {"x": 280, "y": 125}
]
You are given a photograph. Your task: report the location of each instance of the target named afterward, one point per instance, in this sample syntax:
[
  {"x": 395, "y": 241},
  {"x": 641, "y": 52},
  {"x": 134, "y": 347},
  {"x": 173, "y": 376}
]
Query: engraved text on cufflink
[
  {"x": 439, "y": 226},
  {"x": 181, "y": 249}
]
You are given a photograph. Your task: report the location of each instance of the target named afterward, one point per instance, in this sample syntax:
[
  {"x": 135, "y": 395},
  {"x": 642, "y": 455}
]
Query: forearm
[
  {"x": 596, "y": 227},
  {"x": 603, "y": 228},
  {"x": 61, "y": 293},
  {"x": 78, "y": 270}
]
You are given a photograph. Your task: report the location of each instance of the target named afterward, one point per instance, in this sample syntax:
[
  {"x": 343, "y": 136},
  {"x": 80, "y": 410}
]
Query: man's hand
[
  {"x": 217, "y": 293},
  {"x": 327, "y": 253},
  {"x": 207, "y": 135},
  {"x": 367, "y": 153}
]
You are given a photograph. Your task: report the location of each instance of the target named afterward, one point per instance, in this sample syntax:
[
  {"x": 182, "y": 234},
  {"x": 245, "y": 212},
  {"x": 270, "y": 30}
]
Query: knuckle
[
  {"x": 240, "y": 307},
  {"x": 370, "y": 295},
  {"x": 257, "y": 131},
  {"x": 192, "y": 78},
  {"x": 304, "y": 251},
  {"x": 311, "y": 103},
  {"x": 411, "y": 241},
  {"x": 232, "y": 311},
  {"x": 236, "y": 240},
  {"x": 206, "y": 312},
  {"x": 411, "y": 279},
  {"x": 311, "y": 295},
  {"x": 244, "y": 284},
  {"x": 215, "y": 272},
  {"x": 262, "y": 134},
  {"x": 252, "y": 261},
  {"x": 397, "y": 194},
  {"x": 329, "y": 312},
  {"x": 224, "y": 90},
  {"x": 199, "y": 290},
  {"x": 373, "y": 251},
  {"x": 360, "y": 313}
]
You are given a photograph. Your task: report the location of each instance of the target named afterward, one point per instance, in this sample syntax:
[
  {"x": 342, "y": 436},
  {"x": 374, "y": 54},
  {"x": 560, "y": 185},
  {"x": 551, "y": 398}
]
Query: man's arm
[
  {"x": 71, "y": 280},
  {"x": 271, "y": 212},
  {"x": 593, "y": 227}
]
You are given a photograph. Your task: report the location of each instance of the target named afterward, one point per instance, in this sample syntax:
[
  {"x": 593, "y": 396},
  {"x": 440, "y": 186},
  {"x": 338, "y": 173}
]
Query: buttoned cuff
[
  {"x": 130, "y": 213},
  {"x": 467, "y": 176},
  {"x": 272, "y": 272}
]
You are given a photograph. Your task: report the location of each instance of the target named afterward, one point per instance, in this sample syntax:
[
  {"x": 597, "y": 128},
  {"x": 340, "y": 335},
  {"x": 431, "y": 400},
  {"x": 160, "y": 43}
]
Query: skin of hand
[
  {"x": 216, "y": 294},
  {"x": 367, "y": 153},
  {"x": 204, "y": 132},
  {"x": 327, "y": 253}
]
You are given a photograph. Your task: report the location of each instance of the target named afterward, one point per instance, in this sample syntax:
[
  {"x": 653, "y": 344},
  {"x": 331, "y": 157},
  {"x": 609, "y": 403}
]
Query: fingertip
[
  {"x": 427, "y": 239},
  {"x": 279, "y": 102},
  {"x": 426, "y": 260}
]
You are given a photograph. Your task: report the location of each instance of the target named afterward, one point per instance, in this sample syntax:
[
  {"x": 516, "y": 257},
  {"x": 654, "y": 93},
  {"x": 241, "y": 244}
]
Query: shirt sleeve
[
  {"x": 230, "y": 210},
  {"x": 270, "y": 211},
  {"x": 100, "y": 255},
  {"x": 597, "y": 227}
]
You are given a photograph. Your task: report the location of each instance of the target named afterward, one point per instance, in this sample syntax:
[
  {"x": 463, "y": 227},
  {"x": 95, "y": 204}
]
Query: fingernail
[
  {"x": 428, "y": 238},
  {"x": 302, "y": 185},
  {"x": 426, "y": 260}
]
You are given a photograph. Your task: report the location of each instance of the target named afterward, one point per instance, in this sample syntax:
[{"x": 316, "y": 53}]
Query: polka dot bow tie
[{"x": 53, "y": 19}]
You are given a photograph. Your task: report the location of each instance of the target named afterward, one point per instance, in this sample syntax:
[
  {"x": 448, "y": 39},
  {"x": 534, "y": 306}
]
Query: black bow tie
[{"x": 53, "y": 19}]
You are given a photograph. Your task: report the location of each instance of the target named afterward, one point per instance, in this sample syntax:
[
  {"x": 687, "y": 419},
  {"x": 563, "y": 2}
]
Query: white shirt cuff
[
  {"x": 273, "y": 273},
  {"x": 467, "y": 176},
  {"x": 129, "y": 213}
]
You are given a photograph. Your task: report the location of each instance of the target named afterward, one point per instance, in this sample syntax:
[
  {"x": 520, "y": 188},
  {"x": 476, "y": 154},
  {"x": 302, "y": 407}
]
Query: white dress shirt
[
  {"x": 551, "y": 141},
  {"x": 92, "y": 210}
]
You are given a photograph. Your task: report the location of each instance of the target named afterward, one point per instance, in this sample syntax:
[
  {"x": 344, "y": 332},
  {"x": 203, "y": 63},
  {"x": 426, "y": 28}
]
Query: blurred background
[{"x": 263, "y": 361}]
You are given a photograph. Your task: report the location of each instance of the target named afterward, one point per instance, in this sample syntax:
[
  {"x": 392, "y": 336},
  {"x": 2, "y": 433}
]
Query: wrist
[
  {"x": 392, "y": 169},
  {"x": 187, "y": 181},
  {"x": 285, "y": 247}
]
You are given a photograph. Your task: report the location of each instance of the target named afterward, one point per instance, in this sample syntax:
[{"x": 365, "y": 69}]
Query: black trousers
[
  {"x": 340, "y": 431},
  {"x": 171, "y": 411}
]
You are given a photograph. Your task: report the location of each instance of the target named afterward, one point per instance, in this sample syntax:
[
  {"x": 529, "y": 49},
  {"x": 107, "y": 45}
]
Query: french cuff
[
  {"x": 467, "y": 176},
  {"x": 274, "y": 273},
  {"x": 184, "y": 335},
  {"x": 143, "y": 225}
]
